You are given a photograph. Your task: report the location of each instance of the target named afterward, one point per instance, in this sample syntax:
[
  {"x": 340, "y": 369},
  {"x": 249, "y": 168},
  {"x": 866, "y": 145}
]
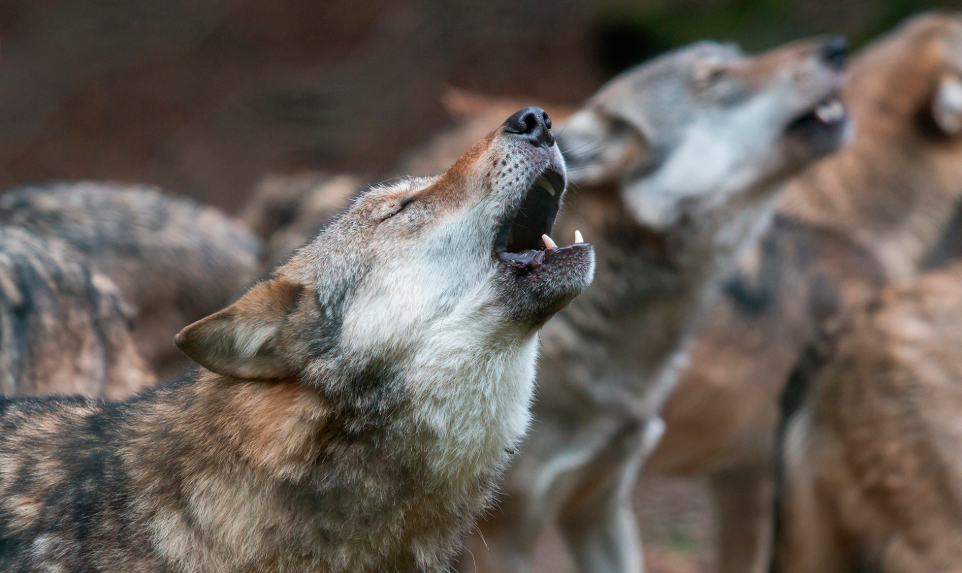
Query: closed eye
[{"x": 407, "y": 201}]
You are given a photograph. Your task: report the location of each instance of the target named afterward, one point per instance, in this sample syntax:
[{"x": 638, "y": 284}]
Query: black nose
[
  {"x": 834, "y": 52},
  {"x": 533, "y": 124}
]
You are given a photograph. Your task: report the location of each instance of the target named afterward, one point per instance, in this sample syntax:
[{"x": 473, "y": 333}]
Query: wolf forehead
[
  {"x": 382, "y": 200},
  {"x": 485, "y": 168},
  {"x": 339, "y": 258},
  {"x": 668, "y": 76},
  {"x": 684, "y": 76}
]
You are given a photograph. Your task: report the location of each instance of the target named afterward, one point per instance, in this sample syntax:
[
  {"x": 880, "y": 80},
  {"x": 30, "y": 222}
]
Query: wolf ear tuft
[
  {"x": 600, "y": 149},
  {"x": 240, "y": 340},
  {"x": 947, "y": 105}
]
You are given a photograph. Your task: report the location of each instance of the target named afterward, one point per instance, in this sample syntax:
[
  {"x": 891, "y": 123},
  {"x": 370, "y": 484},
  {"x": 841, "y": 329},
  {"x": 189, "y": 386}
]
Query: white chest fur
[{"x": 473, "y": 392}]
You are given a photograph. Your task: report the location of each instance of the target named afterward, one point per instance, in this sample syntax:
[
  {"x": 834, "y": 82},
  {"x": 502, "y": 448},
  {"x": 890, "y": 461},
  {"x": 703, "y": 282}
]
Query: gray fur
[{"x": 356, "y": 410}]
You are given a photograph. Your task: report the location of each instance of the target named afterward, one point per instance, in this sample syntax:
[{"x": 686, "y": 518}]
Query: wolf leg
[
  {"x": 604, "y": 538},
  {"x": 742, "y": 499},
  {"x": 547, "y": 474},
  {"x": 808, "y": 538},
  {"x": 599, "y": 522}
]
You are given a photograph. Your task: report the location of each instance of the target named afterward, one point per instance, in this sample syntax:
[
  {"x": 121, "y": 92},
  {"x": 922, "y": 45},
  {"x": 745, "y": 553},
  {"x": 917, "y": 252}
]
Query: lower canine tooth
[
  {"x": 578, "y": 237},
  {"x": 548, "y": 243}
]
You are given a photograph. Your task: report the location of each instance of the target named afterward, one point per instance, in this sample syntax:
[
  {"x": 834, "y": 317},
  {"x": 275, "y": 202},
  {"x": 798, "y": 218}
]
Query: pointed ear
[
  {"x": 947, "y": 105},
  {"x": 600, "y": 149},
  {"x": 239, "y": 341}
]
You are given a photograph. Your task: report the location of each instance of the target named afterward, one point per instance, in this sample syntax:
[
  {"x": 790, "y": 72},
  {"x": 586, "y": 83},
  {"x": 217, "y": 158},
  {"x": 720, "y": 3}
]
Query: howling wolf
[{"x": 353, "y": 412}]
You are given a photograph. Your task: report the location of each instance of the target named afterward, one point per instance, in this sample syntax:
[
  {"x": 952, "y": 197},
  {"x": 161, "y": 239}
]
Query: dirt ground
[{"x": 676, "y": 524}]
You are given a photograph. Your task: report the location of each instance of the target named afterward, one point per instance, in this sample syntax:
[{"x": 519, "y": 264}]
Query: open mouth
[
  {"x": 536, "y": 277},
  {"x": 524, "y": 234},
  {"x": 828, "y": 115}
]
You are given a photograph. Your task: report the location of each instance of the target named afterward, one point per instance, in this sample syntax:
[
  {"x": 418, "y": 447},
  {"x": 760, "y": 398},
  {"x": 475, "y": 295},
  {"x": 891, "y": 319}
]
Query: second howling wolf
[
  {"x": 678, "y": 164},
  {"x": 354, "y": 412}
]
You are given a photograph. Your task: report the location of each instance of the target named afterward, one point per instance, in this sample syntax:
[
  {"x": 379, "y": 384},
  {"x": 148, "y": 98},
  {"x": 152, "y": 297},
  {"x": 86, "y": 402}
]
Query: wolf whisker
[
  {"x": 565, "y": 152},
  {"x": 579, "y": 168},
  {"x": 587, "y": 151}
]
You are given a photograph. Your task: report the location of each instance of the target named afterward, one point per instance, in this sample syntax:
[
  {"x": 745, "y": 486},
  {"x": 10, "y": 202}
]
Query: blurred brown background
[{"x": 205, "y": 96}]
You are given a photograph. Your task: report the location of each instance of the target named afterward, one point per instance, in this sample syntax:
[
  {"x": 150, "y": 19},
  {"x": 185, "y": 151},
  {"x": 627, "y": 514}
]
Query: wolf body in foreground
[
  {"x": 354, "y": 411},
  {"x": 173, "y": 260}
]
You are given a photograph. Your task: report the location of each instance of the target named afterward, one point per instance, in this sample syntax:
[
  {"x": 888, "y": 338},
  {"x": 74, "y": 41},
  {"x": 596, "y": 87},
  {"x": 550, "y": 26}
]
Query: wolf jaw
[
  {"x": 528, "y": 260},
  {"x": 826, "y": 125},
  {"x": 828, "y": 113},
  {"x": 519, "y": 233},
  {"x": 523, "y": 239}
]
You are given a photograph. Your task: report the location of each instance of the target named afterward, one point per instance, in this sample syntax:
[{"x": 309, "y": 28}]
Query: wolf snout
[
  {"x": 834, "y": 52},
  {"x": 533, "y": 124}
]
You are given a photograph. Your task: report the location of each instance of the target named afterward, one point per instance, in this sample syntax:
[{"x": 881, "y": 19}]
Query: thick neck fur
[
  {"x": 461, "y": 385},
  {"x": 649, "y": 288},
  {"x": 274, "y": 475}
]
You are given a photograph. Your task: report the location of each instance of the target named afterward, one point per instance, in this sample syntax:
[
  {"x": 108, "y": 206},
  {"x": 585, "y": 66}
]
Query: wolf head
[
  {"x": 706, "y": 126},
  {"x": 447, "y": 264},
  {"x": 895, "y": 187}
]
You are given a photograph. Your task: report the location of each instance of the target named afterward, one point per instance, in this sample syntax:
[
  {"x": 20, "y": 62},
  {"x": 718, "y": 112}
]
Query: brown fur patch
[{"x": 881, "y": 440}]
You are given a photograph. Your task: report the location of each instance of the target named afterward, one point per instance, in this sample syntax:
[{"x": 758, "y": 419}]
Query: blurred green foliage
[
  {"x": 627, "y": 33},
  {"x": 681, "y": 542}
]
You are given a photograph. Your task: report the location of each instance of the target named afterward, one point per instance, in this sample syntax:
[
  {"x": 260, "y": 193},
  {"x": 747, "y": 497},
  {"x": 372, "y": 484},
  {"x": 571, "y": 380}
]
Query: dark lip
[
  {"x": 533, "y": 259},
  {"x": 518, "y": 238}
]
